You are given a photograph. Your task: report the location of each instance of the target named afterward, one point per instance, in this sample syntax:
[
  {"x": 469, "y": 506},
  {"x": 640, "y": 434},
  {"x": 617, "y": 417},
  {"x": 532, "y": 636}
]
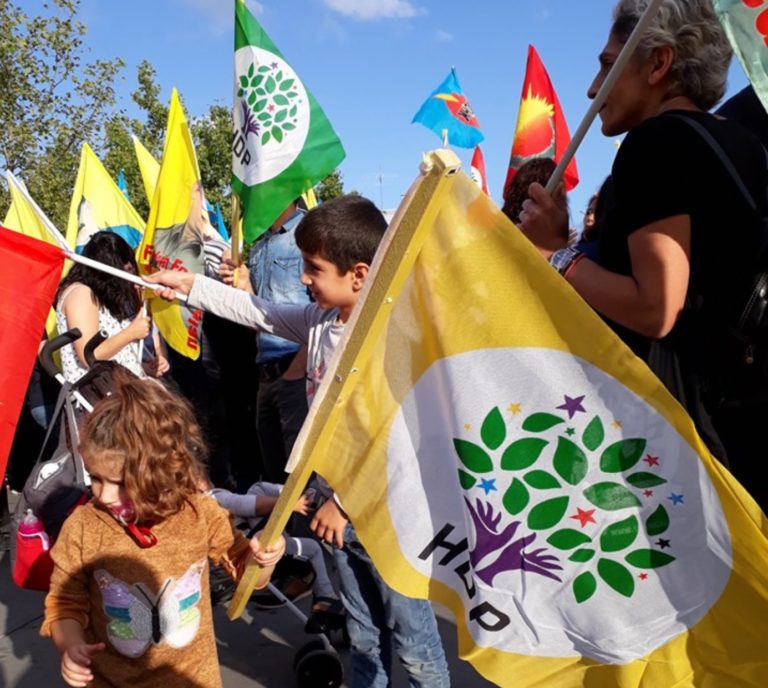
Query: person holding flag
[{"x": 664, "y": 278}]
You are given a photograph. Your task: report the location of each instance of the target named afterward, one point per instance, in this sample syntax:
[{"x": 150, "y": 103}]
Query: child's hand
[
  {"x": 304, "y": 505},
  {"x": 328, "y": 523},
  {"x": 171, "y": 281},
  {"x": 267, "y": 557},
  {"x": 76, "y": 663}
]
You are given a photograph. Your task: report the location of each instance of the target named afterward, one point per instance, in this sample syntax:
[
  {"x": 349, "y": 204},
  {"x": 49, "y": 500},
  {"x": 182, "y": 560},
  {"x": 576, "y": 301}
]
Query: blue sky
[{"x": 371, "y": 63}]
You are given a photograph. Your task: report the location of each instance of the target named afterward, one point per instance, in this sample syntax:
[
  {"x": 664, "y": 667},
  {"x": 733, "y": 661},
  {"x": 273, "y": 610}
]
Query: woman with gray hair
[{"x": 680, "y": 237}]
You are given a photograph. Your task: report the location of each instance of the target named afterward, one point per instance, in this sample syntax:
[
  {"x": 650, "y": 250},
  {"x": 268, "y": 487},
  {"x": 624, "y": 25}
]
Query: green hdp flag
[
  {"x": 746, "y": 24},
  {"x": 283, "y": 143}
]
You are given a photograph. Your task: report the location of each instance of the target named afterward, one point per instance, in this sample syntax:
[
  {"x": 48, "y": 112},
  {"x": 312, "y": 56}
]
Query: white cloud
[
  {"x": 443, "y": 36},
  {"x": 367, "y": 10}
]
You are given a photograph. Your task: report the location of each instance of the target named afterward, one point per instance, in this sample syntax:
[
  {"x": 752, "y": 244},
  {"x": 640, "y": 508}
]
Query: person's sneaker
[
  {"x": 294, "y": 587},
  {"x": 327, "y": 615}
]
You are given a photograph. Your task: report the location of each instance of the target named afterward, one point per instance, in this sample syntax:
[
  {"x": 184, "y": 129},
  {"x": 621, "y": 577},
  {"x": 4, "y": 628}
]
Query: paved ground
[{"x": 255, "y": 651}]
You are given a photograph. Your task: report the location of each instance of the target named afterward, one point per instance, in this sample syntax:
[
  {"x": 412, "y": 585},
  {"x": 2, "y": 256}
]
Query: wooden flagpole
[{"x": 393, "y": 263}]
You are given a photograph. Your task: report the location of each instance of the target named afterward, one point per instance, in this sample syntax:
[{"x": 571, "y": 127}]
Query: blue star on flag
[
  {"x": 488, "y": 485},
  {"x": 676, "y": 498}
]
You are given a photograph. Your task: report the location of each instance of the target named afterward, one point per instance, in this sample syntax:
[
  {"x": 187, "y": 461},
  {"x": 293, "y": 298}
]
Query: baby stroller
[
  {"x": 315, "y": 663},
  {"x": 58, "y": 485}
]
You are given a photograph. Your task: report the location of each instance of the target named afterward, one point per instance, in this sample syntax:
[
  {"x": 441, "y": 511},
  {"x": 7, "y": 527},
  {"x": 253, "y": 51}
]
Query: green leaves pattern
[
  {"x": 270, "y": 97},
  {"x": 570, "y": 462}
]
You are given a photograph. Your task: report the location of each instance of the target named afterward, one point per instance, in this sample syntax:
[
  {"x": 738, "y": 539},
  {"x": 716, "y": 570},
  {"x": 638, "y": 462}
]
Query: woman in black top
[{"x": 678, "y": 233}]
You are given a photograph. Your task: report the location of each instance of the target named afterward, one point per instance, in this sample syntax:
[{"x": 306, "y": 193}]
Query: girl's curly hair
[{"x": 160, "y": 443}]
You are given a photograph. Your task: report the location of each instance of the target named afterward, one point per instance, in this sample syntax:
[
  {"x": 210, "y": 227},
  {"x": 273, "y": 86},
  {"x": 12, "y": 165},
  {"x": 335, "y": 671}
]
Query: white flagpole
[
  {"x": 602, "y": 94},
  {"x": 73, "y": 255}
]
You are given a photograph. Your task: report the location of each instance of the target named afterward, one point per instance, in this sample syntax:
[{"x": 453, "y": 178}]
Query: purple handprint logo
[{"x": 513, "y": 554}]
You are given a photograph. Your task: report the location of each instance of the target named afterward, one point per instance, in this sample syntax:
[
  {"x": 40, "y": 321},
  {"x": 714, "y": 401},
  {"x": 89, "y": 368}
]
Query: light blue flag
[{"x": 447, "y": 110}]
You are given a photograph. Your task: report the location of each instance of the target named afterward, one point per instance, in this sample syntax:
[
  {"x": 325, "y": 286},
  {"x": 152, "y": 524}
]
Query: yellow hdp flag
[
  {"x": 22, "y": 217},
  {"x": 99, "y": 205},
  {"x": 500, "y": 450},
  {"x": 176, "y": 230},
  {"x": 149, "y": 168}
]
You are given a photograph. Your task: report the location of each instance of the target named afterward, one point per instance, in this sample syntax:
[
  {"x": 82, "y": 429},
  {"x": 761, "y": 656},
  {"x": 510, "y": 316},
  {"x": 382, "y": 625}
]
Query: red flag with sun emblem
[{"x": 541, "y": 130}]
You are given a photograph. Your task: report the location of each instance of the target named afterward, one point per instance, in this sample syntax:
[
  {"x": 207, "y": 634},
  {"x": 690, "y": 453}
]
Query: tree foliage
[
  {"x": 53, "y": 100},
  {"x": 331, "y": 187}
]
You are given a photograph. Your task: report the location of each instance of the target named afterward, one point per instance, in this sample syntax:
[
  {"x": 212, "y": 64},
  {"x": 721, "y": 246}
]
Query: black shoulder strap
[{"x": 722, "y": 155}]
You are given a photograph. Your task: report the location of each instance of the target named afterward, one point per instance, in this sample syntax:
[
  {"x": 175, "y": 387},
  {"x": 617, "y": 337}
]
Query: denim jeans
[{"x": 377, "y": 616}]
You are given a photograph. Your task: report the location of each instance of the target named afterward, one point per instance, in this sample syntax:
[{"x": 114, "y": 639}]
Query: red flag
[
  {"x": 31, "y": 270},
  {"x": 541, "y": 131},
  {"x": 477, "y": 169}
]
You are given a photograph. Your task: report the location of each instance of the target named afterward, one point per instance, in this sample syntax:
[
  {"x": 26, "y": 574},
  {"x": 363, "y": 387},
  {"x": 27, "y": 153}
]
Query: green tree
[
  {"x": 212, "y": 135},
  {"x": 53, "y": 100},
  {"x": 331, "y": 187},
  {"x": 118, "y": 150}
]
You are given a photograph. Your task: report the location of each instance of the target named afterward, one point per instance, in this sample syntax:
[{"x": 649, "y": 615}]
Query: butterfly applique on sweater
[{"x": 141, "y": 618}]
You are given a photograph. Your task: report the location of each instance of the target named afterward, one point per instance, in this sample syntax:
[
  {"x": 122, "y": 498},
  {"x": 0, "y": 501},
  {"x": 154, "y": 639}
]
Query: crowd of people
[{"x": 668, "y": 245}]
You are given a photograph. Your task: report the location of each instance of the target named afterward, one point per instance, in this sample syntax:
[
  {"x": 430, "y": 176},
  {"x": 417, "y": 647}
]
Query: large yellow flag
[
  {"x": 22, "y": 217},
  {"x": 500, "y": 450},
  {"x": 176, "y": 231},
  {"x": 149, "y": 168},
  {"x": 99, "y": 205}
]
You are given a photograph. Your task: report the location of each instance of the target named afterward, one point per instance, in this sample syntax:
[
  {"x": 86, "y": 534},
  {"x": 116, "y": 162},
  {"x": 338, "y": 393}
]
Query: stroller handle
[
  {"x": 52, "y": 346},
  {"x": 90, "y": 347}
]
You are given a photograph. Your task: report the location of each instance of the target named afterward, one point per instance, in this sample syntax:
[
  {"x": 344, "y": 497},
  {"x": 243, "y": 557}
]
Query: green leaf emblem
[
  {"x": 594, "y": 434},
  {"x": 622, "y": 455},
  {"x": 539, "y": 422},
  {"x": 642, "y": 480},
  {"x": 581, "y": 556},
  {"x": 472, "y": 456},
  {"x": 466, "y": 480},
  {"x": 584, "y": 587},
  {"x": 547, "y": 514},
  {"x": 522, "y": 453},
  {"x": 541, "y": 480},
  {"x": 657, "y": 522},
  {"x": 611, "y": 496},
  {"x": 648, "y": 558},
  {"x": 618, "y": 536},
  {"x": 494, "y": 430},
  {"x": 570, "y": 462},
  {"x": 568, "y": 538},
  {"x": 616, "y": 576},
  {"x": 516, "y": 497}
]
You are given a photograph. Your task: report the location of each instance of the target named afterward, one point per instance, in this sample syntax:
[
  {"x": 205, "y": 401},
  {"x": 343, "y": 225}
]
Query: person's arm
[
  {"x": 76, "y": 654},
  {"x": 81, "y": 312},
  {"x": 651, "y": 300},
  {"x": 289, "y": 321}
]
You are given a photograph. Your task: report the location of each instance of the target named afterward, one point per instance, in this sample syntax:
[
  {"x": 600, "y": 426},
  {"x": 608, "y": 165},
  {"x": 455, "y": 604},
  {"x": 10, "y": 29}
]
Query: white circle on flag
[
  {"x": 271, "y": 115},
  {"x": 654, "y": 566}
]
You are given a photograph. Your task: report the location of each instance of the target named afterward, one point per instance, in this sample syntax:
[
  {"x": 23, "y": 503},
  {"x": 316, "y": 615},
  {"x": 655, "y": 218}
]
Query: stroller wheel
[{"x": 317, "y": 667}]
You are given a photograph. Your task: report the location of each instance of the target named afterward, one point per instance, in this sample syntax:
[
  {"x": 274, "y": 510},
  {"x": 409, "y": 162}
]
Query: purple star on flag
[{"x": 572, "y": 405}]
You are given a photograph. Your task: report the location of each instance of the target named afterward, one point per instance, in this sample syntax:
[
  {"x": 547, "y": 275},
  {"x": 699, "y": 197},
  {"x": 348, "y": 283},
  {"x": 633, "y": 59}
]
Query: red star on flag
[
  {"x": 648, "y": 493},
  {"x": 643, "y": 576},
  {"x": 584, "y": 516},
  {"x": 651, "y": 460}
]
